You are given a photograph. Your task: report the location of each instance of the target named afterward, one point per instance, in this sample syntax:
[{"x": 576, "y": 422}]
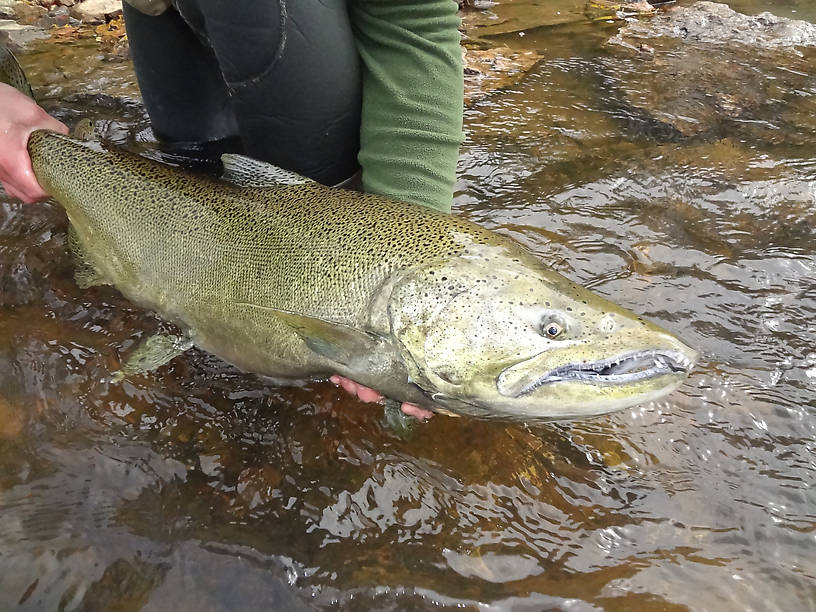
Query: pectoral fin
[
  {"x": 336, "y": 341},
  {"x": 153, "y": 353},
  {"x": 248, "y": 172},
  {"x": 85, "y": 274}
]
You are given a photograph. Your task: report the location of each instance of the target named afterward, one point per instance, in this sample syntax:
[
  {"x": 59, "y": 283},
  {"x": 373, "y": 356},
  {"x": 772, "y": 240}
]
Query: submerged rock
[
  {"x": 488, "y": 22},
  {"x": 17, "y": 35},
  {"x": 712, "y": 22},
  {"x": 619, "y": 8},
  {"x": 489, "y": 70},
  {"x": 13, "y": 415},
  {"x": 706, "y": 70}
]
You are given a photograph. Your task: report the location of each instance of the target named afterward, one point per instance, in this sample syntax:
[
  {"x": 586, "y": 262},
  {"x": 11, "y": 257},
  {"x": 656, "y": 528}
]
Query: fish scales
[
  {"x": 12, "y": 74},
  {"x": 344, "y": 242},
  {"x": 325, "y": 250}
]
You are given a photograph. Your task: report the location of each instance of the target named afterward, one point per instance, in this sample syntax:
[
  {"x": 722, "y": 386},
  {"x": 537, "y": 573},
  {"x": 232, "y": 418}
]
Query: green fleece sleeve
[{"x": 411, "y": 125}]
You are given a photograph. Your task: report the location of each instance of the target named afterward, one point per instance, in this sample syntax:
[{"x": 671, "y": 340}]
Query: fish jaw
[
  {"x": 589, "y": 387},
  {"x": 624, "y": 369}
]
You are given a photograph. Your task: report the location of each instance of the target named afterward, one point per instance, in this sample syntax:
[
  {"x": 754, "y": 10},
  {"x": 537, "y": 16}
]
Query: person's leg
[
  {"x": 293, "y": 73},
  {"x": 180, "y": 80}
]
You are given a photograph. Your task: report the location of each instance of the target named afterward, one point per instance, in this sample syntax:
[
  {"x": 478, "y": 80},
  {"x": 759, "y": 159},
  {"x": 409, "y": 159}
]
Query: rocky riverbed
[
  {"x": 201, "y": 487},
  {"x": 692, "y": 71}
]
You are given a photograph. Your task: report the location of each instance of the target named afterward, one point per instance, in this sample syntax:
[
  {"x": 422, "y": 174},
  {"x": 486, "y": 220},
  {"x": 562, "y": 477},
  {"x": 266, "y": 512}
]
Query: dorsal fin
[{"x": 245, "y": 171}]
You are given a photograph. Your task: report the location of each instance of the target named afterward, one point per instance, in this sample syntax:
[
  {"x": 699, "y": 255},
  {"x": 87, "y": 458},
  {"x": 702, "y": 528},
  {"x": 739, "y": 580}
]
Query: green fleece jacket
[{"x": 412, "y": 98}]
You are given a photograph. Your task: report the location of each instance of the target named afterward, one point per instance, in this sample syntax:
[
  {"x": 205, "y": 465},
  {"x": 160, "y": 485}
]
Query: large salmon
[{"x": 285, "y": 277}]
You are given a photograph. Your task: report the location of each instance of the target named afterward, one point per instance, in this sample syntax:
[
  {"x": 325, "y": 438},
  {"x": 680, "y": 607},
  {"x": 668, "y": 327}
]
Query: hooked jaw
[
  {"x": 595, "y": 387},
  {"x": 622, "y": 370}
]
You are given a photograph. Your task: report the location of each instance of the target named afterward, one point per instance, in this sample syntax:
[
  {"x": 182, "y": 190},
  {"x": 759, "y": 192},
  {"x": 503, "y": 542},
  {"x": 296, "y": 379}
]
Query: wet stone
[
  {"x": 28, "y": 14},
  {"x": 489, "y": 70},
  {"x": 712, "y": 22},
  {"x": 16, "y": 35},
  {"x": 12, "y": 417},
  {"x": 96, "y": 11},
  {"x": 59, "y": 11},
  {"x": 7, "y": 8},
  {"x": 703, "y": 69}
]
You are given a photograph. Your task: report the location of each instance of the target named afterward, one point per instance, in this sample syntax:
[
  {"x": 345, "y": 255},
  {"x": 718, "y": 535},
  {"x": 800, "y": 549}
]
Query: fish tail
[{"x": 12, "y": 74}]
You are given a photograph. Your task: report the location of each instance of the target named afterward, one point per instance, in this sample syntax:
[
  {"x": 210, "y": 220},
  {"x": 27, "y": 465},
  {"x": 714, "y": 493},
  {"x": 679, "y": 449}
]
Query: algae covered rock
[
  {"x": 712, "y": 22},
  {"x": 704, "y": 69},
  {"x": 488, "y": 70}
]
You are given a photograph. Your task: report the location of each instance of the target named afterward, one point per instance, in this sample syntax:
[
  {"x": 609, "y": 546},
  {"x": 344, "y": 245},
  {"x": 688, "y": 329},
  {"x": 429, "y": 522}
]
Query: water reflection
[{"x": 200, "y": 487}]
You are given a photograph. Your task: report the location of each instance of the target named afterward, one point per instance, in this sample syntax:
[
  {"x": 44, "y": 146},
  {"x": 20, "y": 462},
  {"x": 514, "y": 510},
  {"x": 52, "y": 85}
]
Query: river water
[{"x": 203, "y": 488}]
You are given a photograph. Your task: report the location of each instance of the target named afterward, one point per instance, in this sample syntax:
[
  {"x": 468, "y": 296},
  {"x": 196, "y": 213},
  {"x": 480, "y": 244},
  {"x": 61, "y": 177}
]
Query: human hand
[
  {"x": 19, "y": 117},
  {"x": 364, "y": 394}
]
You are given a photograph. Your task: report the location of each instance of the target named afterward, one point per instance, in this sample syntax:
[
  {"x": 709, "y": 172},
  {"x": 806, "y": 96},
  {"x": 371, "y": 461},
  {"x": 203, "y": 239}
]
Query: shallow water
[{"x": 203, "y": 488}]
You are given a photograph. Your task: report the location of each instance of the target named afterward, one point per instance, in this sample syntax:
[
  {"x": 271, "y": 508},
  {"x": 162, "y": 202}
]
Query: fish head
[{"x": 506, "y": 337}]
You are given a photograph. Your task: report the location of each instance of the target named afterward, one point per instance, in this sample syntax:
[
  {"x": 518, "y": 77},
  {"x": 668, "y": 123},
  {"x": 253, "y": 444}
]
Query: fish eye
[{"x": 552, "y": 329}]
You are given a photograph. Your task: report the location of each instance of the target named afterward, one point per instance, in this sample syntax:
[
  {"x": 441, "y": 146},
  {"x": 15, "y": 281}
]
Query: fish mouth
[{"x": 625, "y": 369}]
